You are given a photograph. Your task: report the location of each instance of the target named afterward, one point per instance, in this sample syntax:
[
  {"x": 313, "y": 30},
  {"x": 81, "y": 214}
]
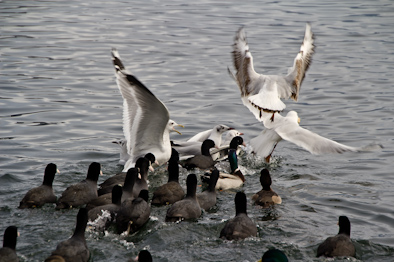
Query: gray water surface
[{"x": 59, "y": 103}]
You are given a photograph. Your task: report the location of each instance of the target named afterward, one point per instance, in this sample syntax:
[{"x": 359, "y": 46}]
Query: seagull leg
[
  {"x": 129, "y": 227},
  {"x": 272, "y": 117},
  {"x": 268, "y": 158}
]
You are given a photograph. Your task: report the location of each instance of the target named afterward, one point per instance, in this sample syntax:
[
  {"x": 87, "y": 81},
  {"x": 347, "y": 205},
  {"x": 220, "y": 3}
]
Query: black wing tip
[{"x": 116, "y": 60}]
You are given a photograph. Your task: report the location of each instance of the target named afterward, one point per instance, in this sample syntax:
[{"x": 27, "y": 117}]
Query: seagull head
[
  {"x": 171, "y": 126},
  {"x": 222, "y": 128},
  {"x": 293, "y": 116}
]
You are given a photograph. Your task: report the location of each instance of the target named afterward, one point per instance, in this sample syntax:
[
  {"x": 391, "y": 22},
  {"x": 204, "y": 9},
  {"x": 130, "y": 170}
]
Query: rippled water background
[{"x": 59, "y": 103}]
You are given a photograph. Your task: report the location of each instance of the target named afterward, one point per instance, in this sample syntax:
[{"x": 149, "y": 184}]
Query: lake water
[{"x": 59, "y": 103}]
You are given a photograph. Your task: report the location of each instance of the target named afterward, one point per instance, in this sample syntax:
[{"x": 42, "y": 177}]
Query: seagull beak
[
  {"x": 101, "y": 172},
  {"x": 298, "y": 120},
  {"x": 57, "y": 171},
  {"x": 241, "y": 134},
  {"x": 177, "y": 130}
]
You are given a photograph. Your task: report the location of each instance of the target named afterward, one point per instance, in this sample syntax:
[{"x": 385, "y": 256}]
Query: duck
[
  {"x": 38, "y": 196},
  {"x": 221, "y": 153},
  {"x": 141, "y": 182},
  {"x": 83, "y": 192},
  {"x": 172, "y": 191},
  {"x": 187, "y": 208},
  {"x": 274, "y": 255},
  {"x": 143, "y": 256},
  {"x": 340, "y": 244},
  {"x": 146, "y": 120},
  {"x": 207, "y": 199},
  {"x": 203, "y": 161},
  {"x": 74, "y": 249},
  {"x": 133, "y": 214},
  {"x": 262, "y": 94},
  {"x": 231, "y": 180},
  {"x": 8, "y": 251},
  {"x": 112, "y": 208},
  {"x": 127, "y": 191},
  {"x": 118, "y": 179},
  {"x": 266, "y": 197},
  {"x": 241, "y": 226}
]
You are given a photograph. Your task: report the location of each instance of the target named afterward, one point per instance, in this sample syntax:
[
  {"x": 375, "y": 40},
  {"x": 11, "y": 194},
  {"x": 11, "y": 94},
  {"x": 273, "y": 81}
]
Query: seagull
[
  {"x": 215, "y": 134},
  {"x": 192, "y": 147},
  {"x": 229, "y": 136},
  {"x": 262, "y": 93},
  {"x": 123, "y": 155},
  {"x": 146, "y": 120},
  {"x": 288, "y": 128}
]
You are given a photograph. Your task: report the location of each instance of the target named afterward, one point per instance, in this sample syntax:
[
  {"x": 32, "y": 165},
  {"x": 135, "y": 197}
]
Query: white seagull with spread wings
[
  {"x": 287, "y": 128},
  {"x": 262, "y": 93},
  {"x": 146, "y": 120}
]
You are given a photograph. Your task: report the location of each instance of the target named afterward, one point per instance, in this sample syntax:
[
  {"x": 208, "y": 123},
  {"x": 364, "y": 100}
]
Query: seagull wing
[
  {"x": 144, "y": 116},
  {"x": 200, "y": 137},
  {"x": 243, "y": 63},
  {"x": 301, "y": 64},
  {"x": 310, "y": 141},
  {"x": 264, "y": 144},
  {"x": 258, "y": 92}
]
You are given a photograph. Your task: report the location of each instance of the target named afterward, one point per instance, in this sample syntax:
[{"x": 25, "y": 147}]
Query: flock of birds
[{"x": 122, "y": 201}]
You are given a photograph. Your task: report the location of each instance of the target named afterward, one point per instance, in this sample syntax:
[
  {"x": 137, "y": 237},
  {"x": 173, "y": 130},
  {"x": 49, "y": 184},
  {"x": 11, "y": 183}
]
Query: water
[{"x": 59, "y": 103}]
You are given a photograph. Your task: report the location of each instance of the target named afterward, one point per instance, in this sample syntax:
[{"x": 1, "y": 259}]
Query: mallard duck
[
  {"x": 74, "y": 248},
  {"x": 113, "y": 207},
  {"x": 143, "y": 165},
  {"x": 207, "y": 199},
  {"x": 172, "y": 191},
  {"x": 38, "y": 196},
  {"x": 187, "y": 208},
  {"x": 266, "y": 197},
  {"x": 7, "y": 252},
  {"x": 133, "y": 214},
  {"x": 340, "y": 244},
  {"x": 143, "y": 256},
  {"x": 230, "y": 180},
  {"x": 203, "y": 161},
  {"x": 83, "y": 192},
  {"x": 274, "y": 255},
  {"x": 127, "y": 191},
  {"x": 118, "y": 179},
  {"x": 241, "y": 226}
]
